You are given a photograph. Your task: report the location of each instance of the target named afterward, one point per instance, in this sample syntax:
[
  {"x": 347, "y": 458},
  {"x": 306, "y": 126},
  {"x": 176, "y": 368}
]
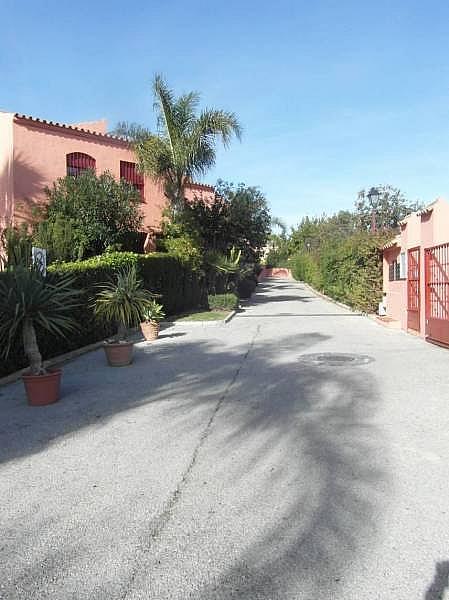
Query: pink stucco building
[
  {"x": 35, "y": 152},
  {"x": 416, "y": 274}
]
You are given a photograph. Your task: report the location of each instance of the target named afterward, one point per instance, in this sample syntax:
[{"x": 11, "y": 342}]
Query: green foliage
[
  {"x": 278, "y": 244},
  {"x": 222, "y": 272},
  {"x": 312, "y": 233},
  {"x": 239, "y": 218},
  {"x": 153, "y": 312},
  {"x": 179, "y": 288},
  {"x": 382, "y": 207},
  {"x": 185, "y": 249},
  {"x": 29, "y": 301},
  {"x": 225, "y": 264},
  {"x": 223, "y": 301},
  {"x": 341, "y": 255},
  {"x": 349, "y": 270},
  {"x": 86, "y": 215},
  {"x": 17, "y": 243},
  {"x": 306, "y": 268},
  {"x": 186, "y": 145},
  {"x": 123, "y": 301}
]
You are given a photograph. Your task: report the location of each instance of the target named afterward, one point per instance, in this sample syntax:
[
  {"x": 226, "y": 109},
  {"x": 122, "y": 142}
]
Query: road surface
[{"x": 298, "y": 452}]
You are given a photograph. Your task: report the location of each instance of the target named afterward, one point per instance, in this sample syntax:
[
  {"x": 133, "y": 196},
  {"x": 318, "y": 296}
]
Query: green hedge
[
  {"x": 349, "y": 270},
  {"x": 180, "y": 290}
]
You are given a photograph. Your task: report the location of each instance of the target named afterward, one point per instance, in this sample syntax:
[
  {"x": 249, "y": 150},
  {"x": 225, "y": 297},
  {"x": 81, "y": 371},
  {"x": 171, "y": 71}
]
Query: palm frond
[
  {"x": 132, "y": 132},
  {"x": 219, "y": 123},
  {"x": 25, "y": 295}
]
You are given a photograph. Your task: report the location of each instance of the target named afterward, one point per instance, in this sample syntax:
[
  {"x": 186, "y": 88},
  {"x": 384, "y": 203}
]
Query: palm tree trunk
[{"x": 31, "y": 348}]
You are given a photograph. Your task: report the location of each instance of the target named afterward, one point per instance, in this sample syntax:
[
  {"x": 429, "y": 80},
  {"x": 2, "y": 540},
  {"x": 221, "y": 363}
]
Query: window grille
[
  {"x": 129, "y": 172},
  {"x": 78, "y": 162}
]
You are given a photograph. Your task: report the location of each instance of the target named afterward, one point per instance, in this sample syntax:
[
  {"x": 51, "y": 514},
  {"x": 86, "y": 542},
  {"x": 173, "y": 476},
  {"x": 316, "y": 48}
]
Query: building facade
[
  {"x": 34, "y": 153},
  {"x": 416, "y": 274}
]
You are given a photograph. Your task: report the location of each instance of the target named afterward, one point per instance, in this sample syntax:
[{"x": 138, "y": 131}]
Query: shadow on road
[
  {"x": 440, "y": 582},
  {"x": 322, "y": 415}
]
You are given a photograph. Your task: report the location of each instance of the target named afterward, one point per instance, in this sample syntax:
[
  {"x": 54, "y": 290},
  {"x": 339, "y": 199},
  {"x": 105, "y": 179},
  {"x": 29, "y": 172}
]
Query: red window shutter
[
  {"x": 77, "y": 162},
  {"x": 129, "y": 172}
]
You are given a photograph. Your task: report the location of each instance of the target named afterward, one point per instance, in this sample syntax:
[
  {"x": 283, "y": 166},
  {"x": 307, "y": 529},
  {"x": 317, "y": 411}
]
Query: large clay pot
[
  {"x": 119, "y": 354},
  {"x": 150, "y": 330},
  {"x": 43, "y": 389}
]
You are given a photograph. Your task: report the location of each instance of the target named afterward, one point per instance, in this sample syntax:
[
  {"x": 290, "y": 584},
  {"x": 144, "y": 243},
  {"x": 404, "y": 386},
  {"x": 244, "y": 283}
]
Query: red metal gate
[
  {"x": 413, "y": 303},
  {"x": 437, "y": 293}
]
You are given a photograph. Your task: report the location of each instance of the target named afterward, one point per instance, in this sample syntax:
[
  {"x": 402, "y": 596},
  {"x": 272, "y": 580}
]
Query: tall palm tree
[{"x": 185, "y": 146}]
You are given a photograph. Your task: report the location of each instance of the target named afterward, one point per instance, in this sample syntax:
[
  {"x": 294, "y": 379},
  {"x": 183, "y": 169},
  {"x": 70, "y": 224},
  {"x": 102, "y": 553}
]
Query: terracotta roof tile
[{"x": 72, "y": 127}]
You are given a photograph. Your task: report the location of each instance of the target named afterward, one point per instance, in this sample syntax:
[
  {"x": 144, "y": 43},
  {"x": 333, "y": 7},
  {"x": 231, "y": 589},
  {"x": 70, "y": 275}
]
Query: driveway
[{"x": 250, "y": 460}]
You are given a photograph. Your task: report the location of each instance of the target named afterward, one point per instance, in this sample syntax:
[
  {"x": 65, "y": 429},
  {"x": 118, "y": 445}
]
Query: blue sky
[{"x": 333, "y": 95}]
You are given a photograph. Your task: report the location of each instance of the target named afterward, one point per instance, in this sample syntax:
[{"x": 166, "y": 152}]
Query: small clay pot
[
  {"x": 43, "y": 389},
  {"x": 150, "y": 330},
  {"x": 119, "y": 354}
]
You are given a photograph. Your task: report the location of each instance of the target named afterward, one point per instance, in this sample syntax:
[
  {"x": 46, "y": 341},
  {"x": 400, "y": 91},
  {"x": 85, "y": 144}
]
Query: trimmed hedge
[{"x": 180, "y": 290}]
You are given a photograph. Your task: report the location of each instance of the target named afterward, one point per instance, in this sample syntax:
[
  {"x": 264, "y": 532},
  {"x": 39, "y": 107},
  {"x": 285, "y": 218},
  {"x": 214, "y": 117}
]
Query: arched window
[
  {"x": 78, "y": 162},
  {"x": 129, "y": 172}
]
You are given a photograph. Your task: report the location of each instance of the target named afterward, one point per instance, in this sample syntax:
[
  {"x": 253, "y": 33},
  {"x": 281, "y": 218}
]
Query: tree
[
  {"x": 382, "y": 207},
  {"x": 87, "y": 214},
  {"x": 185, "y": 146},
  {"x": 238, "y": 218}
]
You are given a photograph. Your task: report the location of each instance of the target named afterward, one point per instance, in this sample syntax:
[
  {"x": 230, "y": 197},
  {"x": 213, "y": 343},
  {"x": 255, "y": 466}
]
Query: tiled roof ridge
[
  {"x": 71, "y": 127},
  {"x": 204, "y": 186}
]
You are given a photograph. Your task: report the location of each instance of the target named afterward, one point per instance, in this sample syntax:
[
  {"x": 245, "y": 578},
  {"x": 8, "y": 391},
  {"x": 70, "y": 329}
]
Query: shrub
[
  {"x": 223, "y": 301},
  {"x": 246, "y": 287},
  {"x": 87, "y": 214},
  {"x": 178, "y": 287},
  {"x": 349, "y": 270}
]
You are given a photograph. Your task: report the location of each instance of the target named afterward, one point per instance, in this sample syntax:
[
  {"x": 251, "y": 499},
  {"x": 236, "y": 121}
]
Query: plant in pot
[
  {"x": 29, "y": 302},
  {"x": 152, "y": 316},
  {"x": 122, "y": 302}
]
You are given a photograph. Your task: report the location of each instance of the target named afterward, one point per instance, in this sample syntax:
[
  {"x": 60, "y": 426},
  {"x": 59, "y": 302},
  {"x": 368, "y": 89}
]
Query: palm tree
[{"x": 185, "y": 146}]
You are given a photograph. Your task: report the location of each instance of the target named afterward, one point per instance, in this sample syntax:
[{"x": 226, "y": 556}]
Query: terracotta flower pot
[
  {"x": 43, "y": 389},
  {"x": 150, "y": 330},
  {"x": 119, "y": 354}
]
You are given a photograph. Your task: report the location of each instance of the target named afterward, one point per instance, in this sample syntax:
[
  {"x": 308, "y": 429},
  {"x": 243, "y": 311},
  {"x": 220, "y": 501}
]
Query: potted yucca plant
[
  {"x": 28, "y": 300},
  {"x": 150, "y": 324},
  {"x": 122, "y": 302}
]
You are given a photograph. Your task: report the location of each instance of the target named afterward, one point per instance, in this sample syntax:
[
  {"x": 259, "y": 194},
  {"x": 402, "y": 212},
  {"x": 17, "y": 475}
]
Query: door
[
  {"x": 437, "y": 293},
  {"x": 413, "y": 303}
]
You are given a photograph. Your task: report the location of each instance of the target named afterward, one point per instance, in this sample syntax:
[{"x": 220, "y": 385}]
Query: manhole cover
[{"x": 335, "y": 359}]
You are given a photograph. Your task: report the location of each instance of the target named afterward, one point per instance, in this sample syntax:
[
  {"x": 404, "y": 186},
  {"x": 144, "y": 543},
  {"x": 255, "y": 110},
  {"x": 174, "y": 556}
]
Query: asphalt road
[{"x": 249, "y": 460}]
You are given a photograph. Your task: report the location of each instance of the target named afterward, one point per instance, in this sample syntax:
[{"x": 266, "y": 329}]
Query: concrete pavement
[{"x": 245, "y": 461}]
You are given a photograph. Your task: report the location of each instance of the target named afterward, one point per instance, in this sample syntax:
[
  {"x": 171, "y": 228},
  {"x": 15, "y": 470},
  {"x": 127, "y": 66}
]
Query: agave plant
[
  {"x": 123, "y": 301},
  {"x": 29, "y": 300},
  {"x": 226, "y": 265},
  {"x": 154, "y": 312}
]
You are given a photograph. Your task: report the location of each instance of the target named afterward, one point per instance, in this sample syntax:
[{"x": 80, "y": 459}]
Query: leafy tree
[
  {"x": 185, "y": 146},
  {"x": 312, "y": 233},
  {"x": 382, "y": 207},
  {"x": 87, "y": 214},
  {"x": 238, "y": 218}
]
